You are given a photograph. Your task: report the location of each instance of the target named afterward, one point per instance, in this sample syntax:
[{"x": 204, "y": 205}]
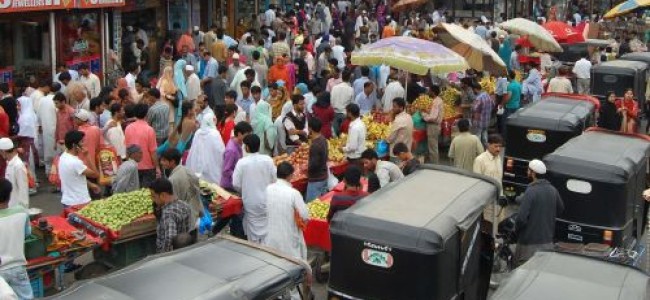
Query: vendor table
[{"x": 300, "y": 182}]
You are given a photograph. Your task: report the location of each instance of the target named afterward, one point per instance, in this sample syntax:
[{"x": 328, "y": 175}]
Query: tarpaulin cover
[
  {"x": 599, "y": 156},
  {"x": 217, "y": 269},
  {"x": 553, "y": 113},
  {"x": 637, "y": 56},
  {"x": 560, "y": 276},
  {"x": 619, "y": 67},
  {"x": 420, "y": 212}
]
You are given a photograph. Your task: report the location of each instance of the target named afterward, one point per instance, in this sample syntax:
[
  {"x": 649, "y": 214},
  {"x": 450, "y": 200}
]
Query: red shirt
[
  {"x": 226, "y": 131},
  {"x": 142, "y": 134},
  {"x": 326, "y": 116},
  {"x": 4, "y": 123},
  {"x": 64, "y": 122}
]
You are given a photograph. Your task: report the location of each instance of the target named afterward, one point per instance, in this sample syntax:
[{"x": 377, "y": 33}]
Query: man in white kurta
[
  {"x": 206, "y": 154},
  {"x": 16, "y": 174},
  {"x": 393, "y": 90},
  {"x": 193, "y": 83},
  {"x": 46, "y": 113},
  {"x": 283, "y": 202},
  {"x": 253, "y": 173}
]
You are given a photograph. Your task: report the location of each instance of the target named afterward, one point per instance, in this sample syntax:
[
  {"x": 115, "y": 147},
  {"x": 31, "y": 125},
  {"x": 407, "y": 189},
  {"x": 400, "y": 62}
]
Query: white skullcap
[
  {"x": 6, "y": 144},
  {"x": 537, "y": 166},
  {"x": 189, "y": 68}
]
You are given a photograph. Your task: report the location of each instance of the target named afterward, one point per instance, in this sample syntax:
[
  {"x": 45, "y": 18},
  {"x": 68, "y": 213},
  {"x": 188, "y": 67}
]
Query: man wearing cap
[
  {"x": 535, "y": 222},
  {"x": 16, "y": 174},
  {"x": 127, "y": 179},
  {"x": 193, "y": 83}
]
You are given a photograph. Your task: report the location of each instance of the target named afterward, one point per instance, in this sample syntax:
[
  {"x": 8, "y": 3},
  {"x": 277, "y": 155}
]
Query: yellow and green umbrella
[
  {"x": 626, "y": 8},
  {"x": 410, "y": 54}
]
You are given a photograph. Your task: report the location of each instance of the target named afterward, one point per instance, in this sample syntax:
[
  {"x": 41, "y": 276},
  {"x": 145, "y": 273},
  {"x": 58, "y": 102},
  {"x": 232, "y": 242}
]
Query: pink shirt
[
  {"x": 143, "y": 135},
  {"x": 93, "y": 140}
]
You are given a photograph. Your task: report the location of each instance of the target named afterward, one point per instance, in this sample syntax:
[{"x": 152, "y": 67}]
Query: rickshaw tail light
[
  {"x": 510, "y": 164},
  {"x": 607, "y": 237}
]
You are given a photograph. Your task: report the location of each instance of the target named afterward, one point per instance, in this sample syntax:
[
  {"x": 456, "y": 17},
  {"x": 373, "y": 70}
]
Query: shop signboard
[
  {"x": 100, "y": 3},
  {"x": 12, "y": 6},
  {"x": 93, "y": 61}
]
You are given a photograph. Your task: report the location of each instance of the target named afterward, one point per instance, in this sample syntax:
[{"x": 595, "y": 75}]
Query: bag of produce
[
  {"x": 53, "y": 176},
  {"x": 108, "y": 164}
]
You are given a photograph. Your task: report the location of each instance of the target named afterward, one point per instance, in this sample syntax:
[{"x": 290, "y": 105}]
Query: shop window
[
  {"x": 32, "y": 41},
  {"x": 79, "y": 40}
]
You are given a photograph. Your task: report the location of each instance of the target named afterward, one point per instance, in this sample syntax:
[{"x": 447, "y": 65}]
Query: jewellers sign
[{"x": 8, "y": 6}]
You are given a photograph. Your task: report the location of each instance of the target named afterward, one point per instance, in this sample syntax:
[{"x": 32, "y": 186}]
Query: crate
[
  {"x": 37, "y": 287},
  {"x": 125, "y": 253},
  {"x": 142, "y": 225},
  {"x": 34, "y": 247}
]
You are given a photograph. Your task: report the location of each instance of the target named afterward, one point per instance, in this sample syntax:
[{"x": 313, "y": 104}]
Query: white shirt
[
  {"x": 338, "y": 52},
  {"x": 387, "y": 172},
  {"x": 283, "y": 235},
  {"x": 115, "y": 137},
  {"x": 356, "y": 142},
  {"x": 240, "y": 115},
  {"x": 582, "y": 69},
  {"x": 16, "y": 173},
  {"x": 92, "y": 84},
  {"x": 269, "y": 17},
  {"x": 14, "y": 227},
  {"x": 193, "y": 87},
  {"x": 130, "y": 81},
  {"x": 206, "y": 118},
  {"x": 36, "y": 96},
  {"x": 342, "y": 94},
  {"x": 255, "y": 172},
  {"x": 46, "y": 113},
  {"x": 384, "y": 72},
  {"x": 393, "y": 90},
  {"x": 288, "y": 125},
  {"x": 74, "y": 188}
]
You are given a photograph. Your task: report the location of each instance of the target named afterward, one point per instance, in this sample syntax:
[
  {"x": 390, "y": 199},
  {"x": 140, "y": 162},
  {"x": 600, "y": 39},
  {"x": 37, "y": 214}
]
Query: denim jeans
[
  {"x": 482, "y": 134},
  {"x": 18, "y": 280},
  {"x": 315, "y": 189}
]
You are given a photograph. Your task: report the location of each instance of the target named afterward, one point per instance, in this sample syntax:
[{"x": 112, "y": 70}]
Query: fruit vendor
[
  {"x": 353, "y": 192},
  {"x": 127, "y": 179},
  {"x": 175, "y": 216},
  {"x": 356, "y": 142},
  {"x": 295, "y": 122},
  {"x": 386, "y": 171},
  {"x": 14, "y": 227},
  {"x": 408, "y": 163}
]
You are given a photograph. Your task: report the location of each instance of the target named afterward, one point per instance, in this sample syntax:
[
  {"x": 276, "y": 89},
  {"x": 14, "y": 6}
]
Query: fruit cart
[
  {"x": 52, "y": 244},
  {"x": 299, "y": 160},
  {"x": 122, "y": 246},
  {"x": 317, "y": 232}
]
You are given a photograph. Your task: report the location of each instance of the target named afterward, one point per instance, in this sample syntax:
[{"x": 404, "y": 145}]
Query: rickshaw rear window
[{"x": 578, "y": 186}]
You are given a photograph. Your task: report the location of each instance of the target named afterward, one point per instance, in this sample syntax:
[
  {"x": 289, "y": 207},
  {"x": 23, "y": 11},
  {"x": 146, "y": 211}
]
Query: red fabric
[
  {"x": 300, "y": 184},
  {"x": 226, "y": 131},
  {"x": 524, "y": 42},
  {"x": 232, "y": 206},
  {"x": 563, "y": 33},
  {"x": 345, "y": 125},
  {"x": 419, "y": 135},
  {"x": 64, "y": 122},
  {"x": 61, "y": 224},
  {"x": 143, "y": 135},
  {"x": 4, "y": 123},
  {"x": 326, "y": 116},
  {"x": 185, "y": 40}
]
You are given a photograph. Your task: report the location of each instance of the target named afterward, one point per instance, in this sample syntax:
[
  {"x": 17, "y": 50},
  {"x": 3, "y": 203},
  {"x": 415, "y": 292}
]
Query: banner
[
  {"x": 100, "y": 3},
  {"x": 9, "y": 6}
]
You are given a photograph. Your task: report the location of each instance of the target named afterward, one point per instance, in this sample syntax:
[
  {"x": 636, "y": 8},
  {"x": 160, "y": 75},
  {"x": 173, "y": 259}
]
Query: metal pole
[
  {"x": 104, "y": 38},
  {"x": 53, "y": 43}
]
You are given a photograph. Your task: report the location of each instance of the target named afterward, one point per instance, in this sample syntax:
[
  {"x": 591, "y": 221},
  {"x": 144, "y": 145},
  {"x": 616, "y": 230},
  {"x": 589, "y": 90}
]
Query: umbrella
[
  {"x": 405, "y": 4},
  {"x": 410, "y": 54},
  {"x": 563, "y": 33},
  {"x": 538, "y": 36},
  {"x": 476, "y": 51},
  {"x": 626, "y": 7}
]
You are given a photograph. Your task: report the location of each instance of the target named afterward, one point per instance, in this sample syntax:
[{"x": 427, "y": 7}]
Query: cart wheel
[
  {"x": 319, "y": 275},
  {"x": 92, "y": 270}
]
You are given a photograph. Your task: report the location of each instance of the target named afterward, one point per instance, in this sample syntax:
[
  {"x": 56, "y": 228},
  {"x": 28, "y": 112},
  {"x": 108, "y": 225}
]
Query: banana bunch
[
  {"x": 422, "y": 103},
  {"x": 449, "y": 97},
  {"x": 375, "y": 130},
  {"x": 318, "y": 209},
  {"x": 334, "y": 148},
  {"x": 488, "y": 84}
]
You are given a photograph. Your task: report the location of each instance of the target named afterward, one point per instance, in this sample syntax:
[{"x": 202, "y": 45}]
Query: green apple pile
[
  {"x": 318, "y": 209},
  {"x": 120, "y": 209}
]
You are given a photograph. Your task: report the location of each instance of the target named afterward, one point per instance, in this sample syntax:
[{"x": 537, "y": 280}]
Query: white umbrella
[{"x": 537, "y": 35}]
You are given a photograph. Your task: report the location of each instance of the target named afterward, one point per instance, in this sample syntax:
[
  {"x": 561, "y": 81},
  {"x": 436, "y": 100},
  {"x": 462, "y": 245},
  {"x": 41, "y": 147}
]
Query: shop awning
[
  {"x": 13, "y": 6},
  {"x": 405, "y": 4}
]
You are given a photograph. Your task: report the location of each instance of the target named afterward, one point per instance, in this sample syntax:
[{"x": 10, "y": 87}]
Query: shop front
[
  {"x": 39, "y": 35},
  {"x": 235, "y": 17}
]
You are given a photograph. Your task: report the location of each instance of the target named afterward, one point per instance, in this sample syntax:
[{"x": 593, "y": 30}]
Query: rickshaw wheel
[{"x": 319, "y": 275}]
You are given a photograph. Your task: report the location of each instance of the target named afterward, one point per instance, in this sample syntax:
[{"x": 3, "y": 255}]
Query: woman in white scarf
[
  {"x": 27, "y": 122},
  {"x": 205, "y": 157}
]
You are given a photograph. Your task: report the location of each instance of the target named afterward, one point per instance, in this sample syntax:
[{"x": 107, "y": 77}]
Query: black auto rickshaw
[
  {"x": 618, "y": 76},
  {"x": 539, "y": 129},
  {"x": 562, "y": 276},
  {"x": 601, "y": 176},
  {"x": 419, "y": 238},
  {"x": 637, "y": 56},
  {"x": 219, "y": 268}
]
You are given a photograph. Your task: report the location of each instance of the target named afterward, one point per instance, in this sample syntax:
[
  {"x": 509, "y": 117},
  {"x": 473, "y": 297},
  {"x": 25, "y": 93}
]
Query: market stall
[
  {"x": 299, "y": 159},
  {"x": 52, "y": 244}
]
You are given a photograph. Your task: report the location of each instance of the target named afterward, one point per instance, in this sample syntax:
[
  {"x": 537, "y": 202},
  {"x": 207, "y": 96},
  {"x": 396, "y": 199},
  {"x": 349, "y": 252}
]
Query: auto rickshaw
[
  {"x": 562, "y": 276},
  {"x": 618, "y": 76},
  {"x": 601, "y": 176},
  {"x": 218, "y": 268},
  {"x": 418, "y": 238},
  {"x": 539, "y": 129}
]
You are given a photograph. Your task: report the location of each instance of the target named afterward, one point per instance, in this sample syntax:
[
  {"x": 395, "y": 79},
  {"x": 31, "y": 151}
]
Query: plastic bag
[
  {"x": 332, "y": 181},
  {"x": 205, "y": 223},
  {"x": 53, "y": 177}
]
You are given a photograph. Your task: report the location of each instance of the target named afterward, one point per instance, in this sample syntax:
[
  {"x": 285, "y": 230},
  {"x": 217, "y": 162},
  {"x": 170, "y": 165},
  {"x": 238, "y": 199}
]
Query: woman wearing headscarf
[
  {"x": 168, "y": 91},
  {"x": 279, "y": 72},
  {"x": 302, "y": 71},
  {"x": 179, "y": 80},
  {"x": 323, "y": 111},
  {"x": 27, "y": 122},
  {"x": 206, "y": 154},
  {"x": 278, "y": 96},
  {"x": 264, "y": 128}
]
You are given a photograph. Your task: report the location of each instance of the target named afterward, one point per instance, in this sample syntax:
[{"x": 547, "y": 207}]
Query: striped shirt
[
  {"x": 158, "y": 118},
  {"x": 482, "y": 110}
]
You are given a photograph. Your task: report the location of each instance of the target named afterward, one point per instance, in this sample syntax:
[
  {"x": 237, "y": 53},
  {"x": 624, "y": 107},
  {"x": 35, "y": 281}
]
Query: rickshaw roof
[
  {"x": 215, "y": 269},
  {"x": 553, "y": 113},
  {"x": 620, "y": 67},
  {"x": 599, "y": 155},
  {"x": 637, "y": 56},
  {"x": 562, "y": 276},
  {"x": 420, "y": 212}
]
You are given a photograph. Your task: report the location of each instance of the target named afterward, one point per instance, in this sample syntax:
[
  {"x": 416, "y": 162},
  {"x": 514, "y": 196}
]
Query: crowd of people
[{"x": 221, "y": 108}]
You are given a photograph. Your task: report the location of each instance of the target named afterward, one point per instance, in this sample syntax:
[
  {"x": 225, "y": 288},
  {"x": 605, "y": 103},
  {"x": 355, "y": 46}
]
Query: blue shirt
[
  {"x": 358, "y": 85},
  {"x": 211, "y": 68},
  {"x": 514, "y": 89},
  {"x": 502, "y": 86},
  {"x": 366, "y": 103},
  {"x": 245, "y": 103}
]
